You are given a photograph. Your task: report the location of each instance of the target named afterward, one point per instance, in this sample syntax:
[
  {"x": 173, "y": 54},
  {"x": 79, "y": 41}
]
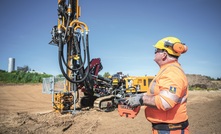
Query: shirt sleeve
[{"x": 171, "y": 87}]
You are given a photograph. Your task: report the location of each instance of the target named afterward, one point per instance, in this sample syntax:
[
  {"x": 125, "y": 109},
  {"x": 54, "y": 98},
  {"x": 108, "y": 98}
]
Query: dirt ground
[{"x": 24, "y": 109}]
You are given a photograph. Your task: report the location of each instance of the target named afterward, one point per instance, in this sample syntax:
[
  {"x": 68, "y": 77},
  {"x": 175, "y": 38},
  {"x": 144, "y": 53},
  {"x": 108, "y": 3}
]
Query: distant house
[
  {"x": 24, "y": 68},
  {"x": 33, "y": 71}
]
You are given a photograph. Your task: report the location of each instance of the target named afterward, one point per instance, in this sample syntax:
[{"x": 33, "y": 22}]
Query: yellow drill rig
[{"x": 81, "y": 72}]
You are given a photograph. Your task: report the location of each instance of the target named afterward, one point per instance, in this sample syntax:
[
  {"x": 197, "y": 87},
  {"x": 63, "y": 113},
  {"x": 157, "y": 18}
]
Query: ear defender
[{"x": 177, "y": 47}]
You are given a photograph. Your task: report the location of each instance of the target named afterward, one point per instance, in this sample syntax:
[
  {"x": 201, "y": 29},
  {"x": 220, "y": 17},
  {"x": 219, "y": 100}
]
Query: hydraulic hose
[
  {"x": 103, "y": 78},
  {"x": 60, "y": 52},
  {"x": 66, "y": 27},
  {"x": 81, "y": 66}
]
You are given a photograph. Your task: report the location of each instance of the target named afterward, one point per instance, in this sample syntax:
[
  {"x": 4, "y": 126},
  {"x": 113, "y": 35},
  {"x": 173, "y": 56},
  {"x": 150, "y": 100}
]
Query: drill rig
[
  {"x": 71, "y": 36},
  {"x": 80, "y": 72}
]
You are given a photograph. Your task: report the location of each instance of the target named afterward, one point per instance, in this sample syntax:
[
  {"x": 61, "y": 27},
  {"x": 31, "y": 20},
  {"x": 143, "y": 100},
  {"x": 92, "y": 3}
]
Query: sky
[{"x": 122, "y": 33}]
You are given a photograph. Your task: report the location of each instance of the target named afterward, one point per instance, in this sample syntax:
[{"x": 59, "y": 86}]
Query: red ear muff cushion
[{"x": 180, "y": 48}]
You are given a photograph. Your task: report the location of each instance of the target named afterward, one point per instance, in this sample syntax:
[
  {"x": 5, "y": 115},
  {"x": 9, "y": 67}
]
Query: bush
[
  {"x": 201, "y": 87},
  {"x": 21, "y": 77}
]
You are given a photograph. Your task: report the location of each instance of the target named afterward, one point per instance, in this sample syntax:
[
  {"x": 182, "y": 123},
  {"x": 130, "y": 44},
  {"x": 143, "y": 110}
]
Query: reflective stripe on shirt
[
  {"x": 171, "y": 96},
  {"x": 165, "y": 104},
  {"x": 152, "y": 86}
]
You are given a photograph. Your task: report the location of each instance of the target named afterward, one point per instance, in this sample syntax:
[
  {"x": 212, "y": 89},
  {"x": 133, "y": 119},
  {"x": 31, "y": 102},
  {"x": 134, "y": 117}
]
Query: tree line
[{"x": 22, "y": 77}]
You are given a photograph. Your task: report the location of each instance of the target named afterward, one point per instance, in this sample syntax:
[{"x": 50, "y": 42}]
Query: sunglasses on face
[{"x": 158, "y": 51}]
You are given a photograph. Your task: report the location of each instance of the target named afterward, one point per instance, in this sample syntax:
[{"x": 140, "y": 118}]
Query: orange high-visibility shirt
[{"x": 170, "y": 87}]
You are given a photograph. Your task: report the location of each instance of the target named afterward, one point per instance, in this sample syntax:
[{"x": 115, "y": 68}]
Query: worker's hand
[{"x": 135, "y": 100}]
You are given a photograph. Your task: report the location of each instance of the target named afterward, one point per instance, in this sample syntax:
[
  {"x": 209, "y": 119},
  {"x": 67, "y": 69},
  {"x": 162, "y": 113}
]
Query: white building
[{"x": 11, "y": 64}]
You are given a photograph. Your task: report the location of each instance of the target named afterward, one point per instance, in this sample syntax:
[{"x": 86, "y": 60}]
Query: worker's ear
[{"x": 164, "y": 55}]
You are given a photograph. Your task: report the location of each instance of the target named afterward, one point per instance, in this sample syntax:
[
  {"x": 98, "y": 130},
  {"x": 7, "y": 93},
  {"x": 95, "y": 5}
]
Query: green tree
[{"x": 106, "y": 75}]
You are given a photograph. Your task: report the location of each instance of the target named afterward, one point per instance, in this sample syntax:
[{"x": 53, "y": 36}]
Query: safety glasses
[{"x": 158, "y": 51}]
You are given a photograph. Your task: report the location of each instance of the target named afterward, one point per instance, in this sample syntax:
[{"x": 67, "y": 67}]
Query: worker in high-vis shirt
[{"x": 166, "y": 99}]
